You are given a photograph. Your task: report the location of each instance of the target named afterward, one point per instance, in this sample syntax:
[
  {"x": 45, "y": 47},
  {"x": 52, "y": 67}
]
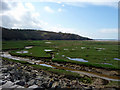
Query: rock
[
  {"x": 45, "y": 85},
  {"x": 39, "y": 78},
  {"x": 38, "y": 82},
  {"x": 14, "y": 86},
  {"x": 33, "y": 86},
  {"x": 2, "y": 82},
  {"x": 4, "y": 70},
  {"x": 19, "y": 87},
  {"x": 50, "y": 84},
  {"x": 1, "y": 76},
  {"x": 55, "y": 84},
  {"x": 21, "y": 83},
  {"x": 6, "y": 77},
  {"x": 7, "y": 84},
  {"x": 0, "y": 87},
  {"x": 9, "y": 68},
  {"x": 31, "y": 82},
  {"x": 108, "y": 89}
]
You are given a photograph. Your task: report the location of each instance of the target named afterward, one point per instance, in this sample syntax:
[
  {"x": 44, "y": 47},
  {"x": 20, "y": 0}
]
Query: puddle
[
  {"x": 113, "y": 78},
  {"x": 117, "y": 59},
  {"x": 77, "y": 59},
  {"x": 73, "y": 49},
  {"x": 48, "y": 50},
  {"x": 106, "y": 63},
  {"x": 65, "y": 49},
  {"x": 47, "y": 42},
  {"x": 22, "y": 52},
  {"x": 100, "y": 48},
  {"x": 46, "y": 65},
  {"x": 57, "y": 53},
  {"x": 28, "y": 47},
  {"x": 82, "y": 47},
  {"x": 7, "y": 55},
  {"x": 63, "y": 55}
]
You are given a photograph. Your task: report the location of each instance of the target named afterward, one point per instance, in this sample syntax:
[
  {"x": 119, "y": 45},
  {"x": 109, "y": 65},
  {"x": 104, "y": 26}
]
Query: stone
[
  {"x": 4, "y": 70},
  {"x": 33, "y": 86},
  {"x": 14, "y": 86},
  {"x": 38, "y": 82},
  {"x": 45, "y": 85},
  {"x": 19, "y": 87},
  {"x": 7, "y": 84},
  {"x": 1, "y": 76},
  {"x": 39, "y": 78},
  {"x": 55, "y": 84},
  {"x": 31, "y": 82},
  {"x": 21, "y": 83},
  {"x": 2, "y": 82},
  {"x": 108, "y": 89},
  {"x": 50, "y": 84}
]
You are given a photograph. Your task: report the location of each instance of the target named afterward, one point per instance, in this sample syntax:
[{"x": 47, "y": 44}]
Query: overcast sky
[{"x": 97, "y": 20}]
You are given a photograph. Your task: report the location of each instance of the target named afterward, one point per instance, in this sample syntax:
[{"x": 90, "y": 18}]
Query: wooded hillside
[{"x": 29, "y": 34}]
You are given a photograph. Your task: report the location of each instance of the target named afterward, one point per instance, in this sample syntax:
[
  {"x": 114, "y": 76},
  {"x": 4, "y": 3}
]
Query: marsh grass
[{"x": 91, "y": 52}]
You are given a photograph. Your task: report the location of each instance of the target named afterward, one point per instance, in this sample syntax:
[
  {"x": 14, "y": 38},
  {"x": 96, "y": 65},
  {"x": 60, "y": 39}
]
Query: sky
[{"x": 96, "y": 19}]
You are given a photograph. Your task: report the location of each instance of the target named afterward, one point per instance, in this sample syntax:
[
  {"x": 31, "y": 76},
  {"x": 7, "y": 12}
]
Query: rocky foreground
[{"x": 16, "y": 75}]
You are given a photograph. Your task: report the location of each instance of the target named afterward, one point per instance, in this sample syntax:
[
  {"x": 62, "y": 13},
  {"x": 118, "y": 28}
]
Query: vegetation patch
[{"x": 97, "y": 53}]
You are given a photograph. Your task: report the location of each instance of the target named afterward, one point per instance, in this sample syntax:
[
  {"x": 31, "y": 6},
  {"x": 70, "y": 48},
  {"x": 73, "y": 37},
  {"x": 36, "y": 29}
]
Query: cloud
[
  {"x": 109, "y": 30},
  {"x": 59, "y": 10},
  {"x": 20, "y": 16},
  {"x": 80, "y": 3},
  {"x": 63, "y": 5},
  {"x": 48, "y": 9},
  {"x": 30, "y": 6},
  {"x": 4, "y": 6}
]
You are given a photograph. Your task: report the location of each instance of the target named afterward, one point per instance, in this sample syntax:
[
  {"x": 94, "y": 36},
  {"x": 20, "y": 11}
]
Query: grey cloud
[
  {"x": 26, "y": 20},
  {"x": 7, "y": 21},
  {"x": 4, "y": 6}
]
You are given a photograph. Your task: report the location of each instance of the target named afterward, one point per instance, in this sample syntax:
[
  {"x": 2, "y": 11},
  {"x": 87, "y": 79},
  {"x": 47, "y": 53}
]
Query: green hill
[{"x": 29, "y": 34}]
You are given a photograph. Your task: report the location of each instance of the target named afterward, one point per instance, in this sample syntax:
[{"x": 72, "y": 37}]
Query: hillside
[{"x": 29, "y": 34}]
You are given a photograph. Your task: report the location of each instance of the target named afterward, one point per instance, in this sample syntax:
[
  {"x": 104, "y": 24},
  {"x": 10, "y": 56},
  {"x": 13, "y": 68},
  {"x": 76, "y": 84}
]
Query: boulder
[
  {"x": 33, "y": 86},
  {"x": 14, "y": 86},
  {"x": 19, "y": 87},
  {"x": 21, "y": 83},
  {"x": 55, "y": 84},
  {"x": 7, "y": 84},
  {"x": 31, "y": 82},
  {"x": 4, "y": 70},
  {"x": 2, "y": 82},
  {"x": 38, "y": 82}
]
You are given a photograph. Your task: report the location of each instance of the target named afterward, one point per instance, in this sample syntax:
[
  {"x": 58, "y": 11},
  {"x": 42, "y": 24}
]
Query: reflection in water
[
  {"x": 106, "y": 63},
  {"x": 48, "y": 50},
  {"x": 65, "y": 49},
  {"x": 82, "y": 47},
  {"x": 22, "y": 52},
  {"x": 117, "y": 59},
  {"x": 47, "y": 42},
  {"x": 77, "y": 59},
  {"x": 28, "y": 47},
  {"x": 46, "y": 65},
  {"x": 33, "y": 61}
]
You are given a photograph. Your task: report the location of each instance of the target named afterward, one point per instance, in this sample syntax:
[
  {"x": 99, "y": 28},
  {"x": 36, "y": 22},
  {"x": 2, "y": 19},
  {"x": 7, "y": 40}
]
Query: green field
[{"x": 95, "y": 52}]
